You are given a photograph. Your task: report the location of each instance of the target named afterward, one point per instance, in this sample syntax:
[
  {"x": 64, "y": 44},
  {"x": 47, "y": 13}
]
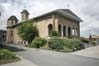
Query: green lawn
[{"x": 7, "y": 56}]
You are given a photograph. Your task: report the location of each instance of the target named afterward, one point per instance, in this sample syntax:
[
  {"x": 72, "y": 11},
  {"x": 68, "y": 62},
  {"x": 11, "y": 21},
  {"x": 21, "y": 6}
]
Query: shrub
[
  {"x": 94, "y": 43},
  {"x": 53, "y": 33},
  {"x": 73, "y": 44},
  {"x": 55, "y": 43},
  {"x": 38, "y": 42},
  {"x": 65, "y": 44},
  {"x": 5, "y": 54}
]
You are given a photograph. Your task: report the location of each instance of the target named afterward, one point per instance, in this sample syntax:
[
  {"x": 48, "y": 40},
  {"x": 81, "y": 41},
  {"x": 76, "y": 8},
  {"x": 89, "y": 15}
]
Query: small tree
[
  {"x": 54, "y": 33},
  {"x": 28, "y": 31},
  {"x": 38, "y": 42}
]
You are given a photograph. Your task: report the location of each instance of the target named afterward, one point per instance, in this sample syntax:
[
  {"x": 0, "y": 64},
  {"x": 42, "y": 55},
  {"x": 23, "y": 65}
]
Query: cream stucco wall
[
  {"x": 9, "y": 37},
  {"x": 42, "y": 25}
]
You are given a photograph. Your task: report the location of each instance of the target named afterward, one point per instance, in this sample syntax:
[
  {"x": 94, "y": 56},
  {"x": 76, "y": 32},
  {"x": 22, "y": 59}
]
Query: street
[{"x": 52, "y": 58}]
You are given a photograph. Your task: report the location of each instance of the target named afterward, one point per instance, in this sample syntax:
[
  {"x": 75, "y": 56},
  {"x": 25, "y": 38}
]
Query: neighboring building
[
  {"x": 62, "y": 20},
  {"x": 94, "y": 38},
  {"x": 2, "y": 36}
]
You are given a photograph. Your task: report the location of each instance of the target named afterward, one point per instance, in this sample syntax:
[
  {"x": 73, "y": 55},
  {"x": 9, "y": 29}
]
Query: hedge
[{"x": 57, "y": 43}]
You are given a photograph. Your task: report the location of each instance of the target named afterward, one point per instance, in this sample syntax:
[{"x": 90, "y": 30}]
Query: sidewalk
[
  {"x": 22, "y": 62},
  {"x": 89, "y": 52}
]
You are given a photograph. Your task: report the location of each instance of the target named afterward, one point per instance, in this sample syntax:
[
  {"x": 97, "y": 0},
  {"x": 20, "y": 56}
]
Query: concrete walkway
[
  {"x": 89, "y": 52},
  {"x": 50, "y": 58},
  {"x": 23, "y": 62}
]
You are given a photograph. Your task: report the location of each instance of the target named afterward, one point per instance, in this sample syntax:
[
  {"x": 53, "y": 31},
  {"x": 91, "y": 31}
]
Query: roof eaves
[{"x": 68, "y": 15}]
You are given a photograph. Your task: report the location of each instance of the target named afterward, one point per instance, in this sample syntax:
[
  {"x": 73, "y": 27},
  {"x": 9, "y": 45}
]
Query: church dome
[
  {"x": 25, "y": 11},
  {"x": 13, "y": 18}
]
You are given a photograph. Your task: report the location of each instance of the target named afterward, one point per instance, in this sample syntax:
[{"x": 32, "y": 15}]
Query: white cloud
[{"x": 7, "y": 6}]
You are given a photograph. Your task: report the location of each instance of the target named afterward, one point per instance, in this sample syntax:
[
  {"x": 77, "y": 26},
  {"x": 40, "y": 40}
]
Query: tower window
[
  {"x": 11, "y": 33},
  {"x": 11, "y": 22},
  {"x": 22, "y": 17}
]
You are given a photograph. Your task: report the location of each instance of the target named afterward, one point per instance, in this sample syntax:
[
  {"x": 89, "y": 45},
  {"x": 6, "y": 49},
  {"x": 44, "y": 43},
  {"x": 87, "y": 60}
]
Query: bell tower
[
  {"x": 24, "y": 15},
  {"x": 12, "y": 20}
]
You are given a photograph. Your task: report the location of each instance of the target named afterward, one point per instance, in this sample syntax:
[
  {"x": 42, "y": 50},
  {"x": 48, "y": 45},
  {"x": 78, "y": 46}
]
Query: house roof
[
  {"x": 25, "y": 11},
  {"x": 12, "y": 18},
  {"x": 64, "y": 12}
]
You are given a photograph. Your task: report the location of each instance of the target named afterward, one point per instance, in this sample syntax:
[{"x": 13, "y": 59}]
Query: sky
[{"x": 87, "y": 10}]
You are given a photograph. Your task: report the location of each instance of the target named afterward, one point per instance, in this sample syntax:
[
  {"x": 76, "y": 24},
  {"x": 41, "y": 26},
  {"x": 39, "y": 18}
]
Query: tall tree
[{"x": 28, "y": 31}]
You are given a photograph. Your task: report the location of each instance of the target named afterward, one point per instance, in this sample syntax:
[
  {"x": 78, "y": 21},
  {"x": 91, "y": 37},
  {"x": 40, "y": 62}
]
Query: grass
[
  {"x": 67, "y": 49},
  {"x": 7, "y": 56},
  {"x": 4, "y": 61}
]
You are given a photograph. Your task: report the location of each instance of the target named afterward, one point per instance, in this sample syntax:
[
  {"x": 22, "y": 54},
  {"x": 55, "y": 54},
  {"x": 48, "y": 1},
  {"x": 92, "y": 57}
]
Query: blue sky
[{"x": 87, "y": 10}]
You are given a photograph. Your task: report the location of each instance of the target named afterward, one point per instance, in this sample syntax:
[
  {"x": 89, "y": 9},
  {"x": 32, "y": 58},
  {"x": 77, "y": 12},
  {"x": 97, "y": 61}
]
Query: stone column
[
  {"x": 67, "y": 31},
  {"x": 62, "y": 31},
  {"x": 75, "y": 32},
  {"x": 53, "y": 18},
  {"x": 78, "y": 30}
]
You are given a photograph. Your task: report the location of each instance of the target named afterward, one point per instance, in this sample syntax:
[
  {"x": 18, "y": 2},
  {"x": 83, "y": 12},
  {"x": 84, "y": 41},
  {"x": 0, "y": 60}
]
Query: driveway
[{"x": 52, "y": 58}]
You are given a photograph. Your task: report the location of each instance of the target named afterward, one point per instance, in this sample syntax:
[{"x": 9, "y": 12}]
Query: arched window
[
  {"x": 50, "y": 27},
  {"x": 59, "y": 29},
  {"x": 64, "y": 31},
  {"x": 69, "y": 31}
]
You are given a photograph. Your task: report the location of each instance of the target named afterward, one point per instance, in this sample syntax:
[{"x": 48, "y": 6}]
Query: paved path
[
  {"x": 51, "y": 58},
  {"x": 89, "y": 52}
]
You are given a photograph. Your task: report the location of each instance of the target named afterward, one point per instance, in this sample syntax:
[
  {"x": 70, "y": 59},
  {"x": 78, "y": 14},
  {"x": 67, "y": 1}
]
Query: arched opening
[
  {"x": 59, "y": 29},
  {"x": 50, "y": 27},
  {"x": 69, "y": 31},
  {"x": 64, "y": 31}
]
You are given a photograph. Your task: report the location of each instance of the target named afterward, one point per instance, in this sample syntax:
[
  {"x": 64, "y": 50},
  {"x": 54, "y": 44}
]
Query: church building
[{"x": 64, "y": 21}]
